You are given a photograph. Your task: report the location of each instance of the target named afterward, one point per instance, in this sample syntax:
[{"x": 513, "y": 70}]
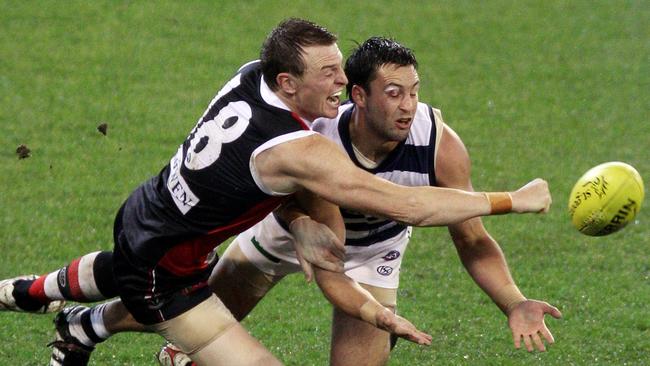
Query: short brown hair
[{"x": 282, "y": 50}]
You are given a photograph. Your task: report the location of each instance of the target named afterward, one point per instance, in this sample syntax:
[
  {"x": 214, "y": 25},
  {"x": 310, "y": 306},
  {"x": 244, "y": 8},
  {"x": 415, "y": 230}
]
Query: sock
[
  {"x": 88, "y": 326},
  {"x": 86, "y": 279}
]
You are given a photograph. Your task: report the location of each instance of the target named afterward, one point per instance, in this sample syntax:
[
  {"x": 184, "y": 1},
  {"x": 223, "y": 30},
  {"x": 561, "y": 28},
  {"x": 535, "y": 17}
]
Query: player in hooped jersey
[{"x": 161, "y": 251}]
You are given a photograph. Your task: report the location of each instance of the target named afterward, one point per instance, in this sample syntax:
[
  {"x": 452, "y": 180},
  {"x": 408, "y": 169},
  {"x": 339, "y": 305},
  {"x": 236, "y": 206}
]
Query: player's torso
[
  {"x": 411, "y": 163},
  {"x": 208, "y": 188}
]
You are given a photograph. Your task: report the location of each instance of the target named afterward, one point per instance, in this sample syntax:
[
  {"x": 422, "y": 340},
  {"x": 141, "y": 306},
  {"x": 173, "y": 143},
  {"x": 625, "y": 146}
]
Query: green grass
[{"x": 534, "y": 88}]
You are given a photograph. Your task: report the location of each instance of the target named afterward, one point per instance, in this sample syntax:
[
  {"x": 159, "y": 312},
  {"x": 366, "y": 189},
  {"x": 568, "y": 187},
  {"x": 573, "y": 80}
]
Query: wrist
[
  {"x": 508, "y": 297},
  {"x": 370, "y": 311},
  {"x": 500, "y": 202},
  {"x": 296, "y": 220}
]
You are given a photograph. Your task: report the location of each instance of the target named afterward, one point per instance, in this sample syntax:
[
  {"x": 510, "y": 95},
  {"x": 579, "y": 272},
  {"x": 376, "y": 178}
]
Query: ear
[
  {"x": 287, "y": 83},
  {"x": 358, "y": 96}
]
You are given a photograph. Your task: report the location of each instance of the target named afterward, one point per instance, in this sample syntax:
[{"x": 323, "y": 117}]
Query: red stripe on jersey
[
  {"x": 37, "y": 290},
  {"x": 191, "y": 256},
  {"x": 300, "y": 120},
  {"x": 73, "y": 281}
]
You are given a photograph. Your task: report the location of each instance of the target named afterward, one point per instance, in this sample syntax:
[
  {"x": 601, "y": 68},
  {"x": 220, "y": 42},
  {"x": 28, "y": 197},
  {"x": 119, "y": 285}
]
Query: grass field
[{"x": 534, "y": 88}]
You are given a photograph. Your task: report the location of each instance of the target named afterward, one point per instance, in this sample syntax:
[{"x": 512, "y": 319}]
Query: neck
[
  {"x": 292, "y": 104},
  {"x": 367, "y": 141}
]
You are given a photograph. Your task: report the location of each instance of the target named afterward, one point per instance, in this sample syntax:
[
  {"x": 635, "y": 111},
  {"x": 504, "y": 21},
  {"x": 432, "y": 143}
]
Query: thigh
[
  {"x": 355, "y": 342},
  {"x": 235, "y": 347},
  {"x": 198, "y": 327},
  {"x": 238, "y": 282}
]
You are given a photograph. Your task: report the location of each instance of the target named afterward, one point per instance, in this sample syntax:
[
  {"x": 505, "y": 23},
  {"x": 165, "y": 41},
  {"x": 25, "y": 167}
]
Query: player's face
[
  {"x": 320, "y": 87},
  {"x": 393, "y": 99}
]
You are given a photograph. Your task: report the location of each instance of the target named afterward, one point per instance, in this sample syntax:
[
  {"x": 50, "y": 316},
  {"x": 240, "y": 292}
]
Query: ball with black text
[{"x": 606, "y": 198}]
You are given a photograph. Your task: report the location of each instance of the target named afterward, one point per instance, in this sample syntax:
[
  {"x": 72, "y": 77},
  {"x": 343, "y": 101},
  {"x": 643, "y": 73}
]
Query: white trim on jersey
[
  {"x": 267, "y": 145},
  {"x": 248, "y": 63},
  {"x": 270, "y": 97},
  {"x": 439, "y": 126}
]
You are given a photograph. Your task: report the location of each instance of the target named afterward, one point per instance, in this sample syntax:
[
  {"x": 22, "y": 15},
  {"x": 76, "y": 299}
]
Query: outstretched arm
[
  {"x": 318, "y": 165},
  {"x": 483, "y": 258},
  {"x": 347, "y": 295}
]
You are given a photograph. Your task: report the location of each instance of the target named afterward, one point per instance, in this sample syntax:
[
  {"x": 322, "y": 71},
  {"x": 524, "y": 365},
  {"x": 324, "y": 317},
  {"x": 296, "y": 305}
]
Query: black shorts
[{"x": 150, "y": 293}]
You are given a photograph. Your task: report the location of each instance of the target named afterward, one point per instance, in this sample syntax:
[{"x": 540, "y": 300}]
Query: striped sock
[
  {"x": 86, "y": 279},
  {"x": 87, "y": 325}
]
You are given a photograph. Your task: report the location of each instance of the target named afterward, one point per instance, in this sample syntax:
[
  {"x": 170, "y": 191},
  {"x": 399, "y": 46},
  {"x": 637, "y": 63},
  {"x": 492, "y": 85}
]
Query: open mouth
[
  {"x": 335, "y": 99},
  {"x": 403, "y": 122}
]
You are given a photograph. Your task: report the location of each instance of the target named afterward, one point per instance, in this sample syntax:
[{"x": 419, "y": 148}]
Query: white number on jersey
[{"x": 209, "y": 136}]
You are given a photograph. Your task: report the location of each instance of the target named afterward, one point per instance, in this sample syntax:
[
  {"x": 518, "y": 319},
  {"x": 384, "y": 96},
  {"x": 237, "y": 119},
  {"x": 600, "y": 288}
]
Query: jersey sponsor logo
[
  {"x": 385, "y": 270},
  {"x": 183, "y": 196},
  {"x": 392, "y": 255}
]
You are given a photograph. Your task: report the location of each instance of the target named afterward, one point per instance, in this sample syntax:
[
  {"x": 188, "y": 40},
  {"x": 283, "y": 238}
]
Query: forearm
[
  {"x": 487, "y": 266},
  {"x": 345, "y": 294},
  {"x": 417, "y": 206},
  {"x": 290, "y": 211},
  {"x": 444, "y": 206}
]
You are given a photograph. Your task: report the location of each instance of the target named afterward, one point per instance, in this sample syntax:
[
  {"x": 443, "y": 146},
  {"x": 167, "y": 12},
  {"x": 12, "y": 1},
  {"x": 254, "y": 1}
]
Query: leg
[
  {"x": 238, "y": 282},
  {"x": 79, "y": 329},
  {"x": 88, "y": 278},
  {"x": 210, "y": 335},
  {"x": 235, "y": 347},
  {"x": 355, "y": 342}
]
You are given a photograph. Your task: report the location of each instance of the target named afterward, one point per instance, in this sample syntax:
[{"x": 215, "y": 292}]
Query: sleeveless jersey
[
  {"x": 411, "y": 163},
  {"x": 209, "y": 191}
]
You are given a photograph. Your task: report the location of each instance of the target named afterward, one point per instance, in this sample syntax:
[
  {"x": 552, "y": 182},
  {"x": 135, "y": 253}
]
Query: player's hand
[
  {"x": 401, "y": 327},
  {"x": 526, "y": 320},
  {"x": 533, "y": 197},
  {"x": 318, "y": 245}
]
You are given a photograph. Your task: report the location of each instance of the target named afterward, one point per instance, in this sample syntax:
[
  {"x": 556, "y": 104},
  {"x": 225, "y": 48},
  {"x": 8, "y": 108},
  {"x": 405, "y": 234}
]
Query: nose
[
  {"x": 341, "y": 78},
  {"x": 407, "y": 103}
]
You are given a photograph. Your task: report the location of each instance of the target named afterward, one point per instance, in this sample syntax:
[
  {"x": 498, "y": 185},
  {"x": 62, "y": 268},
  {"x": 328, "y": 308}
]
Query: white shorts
[{"x": 269, "y": 247}]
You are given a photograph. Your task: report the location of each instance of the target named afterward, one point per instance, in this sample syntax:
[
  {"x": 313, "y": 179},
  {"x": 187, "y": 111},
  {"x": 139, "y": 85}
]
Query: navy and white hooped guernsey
[{"x": 411, "y": 163}]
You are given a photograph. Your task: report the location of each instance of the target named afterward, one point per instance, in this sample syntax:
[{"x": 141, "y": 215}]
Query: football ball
[{"x": 606, "y": 198}]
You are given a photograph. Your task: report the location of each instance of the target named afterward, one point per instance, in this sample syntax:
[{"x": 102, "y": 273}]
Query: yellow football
[{"x": 606, "y": 198}]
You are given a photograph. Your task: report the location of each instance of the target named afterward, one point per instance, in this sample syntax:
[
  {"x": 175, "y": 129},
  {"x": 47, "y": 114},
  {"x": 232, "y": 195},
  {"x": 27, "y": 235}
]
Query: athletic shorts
[
  {"x": 269, "y": 247},
  {"x": 150, "y": 293}
]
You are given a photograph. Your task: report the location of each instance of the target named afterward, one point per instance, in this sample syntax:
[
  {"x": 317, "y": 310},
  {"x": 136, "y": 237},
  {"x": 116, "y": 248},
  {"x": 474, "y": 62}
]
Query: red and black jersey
[{"x": 209, "y": 190}]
